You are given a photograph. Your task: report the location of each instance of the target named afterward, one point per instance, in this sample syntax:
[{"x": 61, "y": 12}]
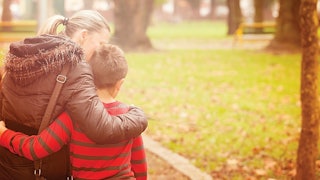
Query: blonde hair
[
  {"x": 90, "y": 20},
  {"x": 109, "y": 65}
]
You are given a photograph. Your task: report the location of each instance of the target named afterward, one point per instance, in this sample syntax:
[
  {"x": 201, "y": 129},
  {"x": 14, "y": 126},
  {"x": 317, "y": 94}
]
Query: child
[{"x": 123, "y": 160}]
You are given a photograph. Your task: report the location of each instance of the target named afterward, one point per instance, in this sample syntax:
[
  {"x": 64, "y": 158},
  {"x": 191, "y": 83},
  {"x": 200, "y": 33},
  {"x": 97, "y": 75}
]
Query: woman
[{"x": 31, "y": 69}]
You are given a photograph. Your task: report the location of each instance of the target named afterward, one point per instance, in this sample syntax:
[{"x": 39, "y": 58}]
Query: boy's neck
[
  {"x": 105, "y": 96},
  {"x": 107, "y": 100}
]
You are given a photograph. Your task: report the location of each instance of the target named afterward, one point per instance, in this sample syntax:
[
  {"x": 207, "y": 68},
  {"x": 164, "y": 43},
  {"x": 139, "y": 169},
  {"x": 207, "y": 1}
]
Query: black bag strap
[{"x": 61, "y": 79}]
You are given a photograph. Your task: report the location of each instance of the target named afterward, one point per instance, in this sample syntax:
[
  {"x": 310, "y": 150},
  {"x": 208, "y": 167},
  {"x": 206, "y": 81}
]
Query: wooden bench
[
  {"x": 254, "y": 28},
  {"x": 16, "y": 30}
]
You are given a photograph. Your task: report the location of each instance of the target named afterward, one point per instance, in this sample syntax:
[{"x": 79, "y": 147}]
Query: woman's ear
[
  {"x": 83, "y": 35},
  {"x": 80, "y": 36}
]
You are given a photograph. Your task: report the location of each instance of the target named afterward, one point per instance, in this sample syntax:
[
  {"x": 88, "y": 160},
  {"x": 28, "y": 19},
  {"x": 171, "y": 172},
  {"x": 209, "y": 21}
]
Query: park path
[
  {"x": 164, "y": 164},
  {"x": 254, "y": 42}
]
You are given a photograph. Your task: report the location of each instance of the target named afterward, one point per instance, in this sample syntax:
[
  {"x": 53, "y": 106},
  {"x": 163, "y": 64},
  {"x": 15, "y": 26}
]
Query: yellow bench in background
[
  {"x": 16, "y": 30},
  {"x": 254, "y": 28}
]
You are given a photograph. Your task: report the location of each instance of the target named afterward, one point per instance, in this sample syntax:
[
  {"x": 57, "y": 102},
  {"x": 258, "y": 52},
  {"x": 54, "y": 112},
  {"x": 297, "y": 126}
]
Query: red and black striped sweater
[{"x": 123, "y": 160}]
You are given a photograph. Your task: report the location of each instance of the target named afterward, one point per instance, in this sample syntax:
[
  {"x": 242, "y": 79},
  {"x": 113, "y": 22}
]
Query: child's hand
[{"x": 2, "y": 127}]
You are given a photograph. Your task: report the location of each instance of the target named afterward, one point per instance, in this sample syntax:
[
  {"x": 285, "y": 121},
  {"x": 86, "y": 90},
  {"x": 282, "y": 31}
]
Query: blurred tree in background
[
  {"x": 258, "y": 7},
  {"x": 6, "y": 13},
  {"x": 88, "y": 4},
  {"x": 263, "y": 10},
  {"x": 234, "y": 16},
  {"x": 287, "y": 29},
  {"x": 131, "y": 20},
  {"x": 195, "y": 6},
  {"x": 258, "y": 13}
]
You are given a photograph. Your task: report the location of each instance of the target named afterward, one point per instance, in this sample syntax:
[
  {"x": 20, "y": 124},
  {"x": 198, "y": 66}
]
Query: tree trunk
[
  {"x": 258, "y": 13},
  {"x": 287, "y": 29},
  {"x": 6, "y": 13},
  {"x": 308, "y": 143},
  {"x": 258, "y": 10},
  {"x": 234, "y": 16},
  {"x": 195, "y": 6},
  {"x": 267, "y": 12},
  {"x": 212, "y": 9},
  {"x": 131, "y": 23},
  {"x": 176, "y": 7},
  {"x": 87, "y": 4}
]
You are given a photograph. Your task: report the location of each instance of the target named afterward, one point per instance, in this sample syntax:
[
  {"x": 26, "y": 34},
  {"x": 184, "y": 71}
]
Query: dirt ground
[{"x": 158, "y": 169}]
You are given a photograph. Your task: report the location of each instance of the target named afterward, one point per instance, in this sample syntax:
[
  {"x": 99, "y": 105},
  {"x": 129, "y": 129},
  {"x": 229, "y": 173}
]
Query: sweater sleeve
[
  {"x": 138, "y": 159},
  {"x": 50, "y": 140},
  {"x": 88, "y": 112}
]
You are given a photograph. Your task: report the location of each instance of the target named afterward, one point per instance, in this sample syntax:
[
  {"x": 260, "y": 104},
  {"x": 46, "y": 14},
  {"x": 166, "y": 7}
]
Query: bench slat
[
  {"x": 251, "y": 27},
  {"x": 11, "y": 31},
  {"x": 18, "y": 23}
]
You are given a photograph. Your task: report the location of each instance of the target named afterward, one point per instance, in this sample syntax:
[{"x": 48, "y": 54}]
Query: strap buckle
[
  {"x": 61, "y": 78},
  {"x": 37, "y": 172}
]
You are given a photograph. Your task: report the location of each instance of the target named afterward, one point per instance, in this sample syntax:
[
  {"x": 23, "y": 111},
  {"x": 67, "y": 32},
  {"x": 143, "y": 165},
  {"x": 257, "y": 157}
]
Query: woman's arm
[
  {"x": 2, "y": 127},
  {"x": 50, "y": 140},
  {"x": 88, "y": 112}
]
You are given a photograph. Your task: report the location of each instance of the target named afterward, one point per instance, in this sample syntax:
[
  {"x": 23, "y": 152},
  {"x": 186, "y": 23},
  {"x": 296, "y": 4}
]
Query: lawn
[{"x": 234, "y": 113}]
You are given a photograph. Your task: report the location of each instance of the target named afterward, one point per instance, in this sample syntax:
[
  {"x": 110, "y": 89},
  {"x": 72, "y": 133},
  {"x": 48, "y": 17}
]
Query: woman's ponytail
[{"x": 51, "y": 25}]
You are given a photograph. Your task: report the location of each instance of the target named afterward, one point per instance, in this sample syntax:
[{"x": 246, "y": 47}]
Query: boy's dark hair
[{"x": 109, "y": 65}]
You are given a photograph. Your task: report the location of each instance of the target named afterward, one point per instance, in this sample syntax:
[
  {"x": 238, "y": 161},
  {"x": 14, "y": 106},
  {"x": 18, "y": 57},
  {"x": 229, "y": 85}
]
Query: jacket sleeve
[{"x": 86, "y": 109}]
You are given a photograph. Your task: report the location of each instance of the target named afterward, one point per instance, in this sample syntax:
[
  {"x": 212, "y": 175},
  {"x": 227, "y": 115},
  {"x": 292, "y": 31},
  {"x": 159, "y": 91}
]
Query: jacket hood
[{"x": 34, "y": 57}]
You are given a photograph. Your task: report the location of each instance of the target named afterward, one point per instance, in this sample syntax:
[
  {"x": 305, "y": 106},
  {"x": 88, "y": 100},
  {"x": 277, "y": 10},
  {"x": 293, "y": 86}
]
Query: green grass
[
  {"x": 204, "y": 30},
  {"x": 215, "y": 105},
  {"x": 231, "y": 112}
]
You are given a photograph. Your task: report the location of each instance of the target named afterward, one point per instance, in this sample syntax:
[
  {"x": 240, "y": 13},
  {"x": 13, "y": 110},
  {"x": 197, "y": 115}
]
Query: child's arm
[
  {"x": 138, "y": 159},
  {"x": 36, "y": 147}
]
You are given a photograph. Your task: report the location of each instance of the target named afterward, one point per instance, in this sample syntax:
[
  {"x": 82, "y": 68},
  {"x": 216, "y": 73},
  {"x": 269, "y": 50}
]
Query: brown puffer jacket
[{"x": 31, "y": 69}]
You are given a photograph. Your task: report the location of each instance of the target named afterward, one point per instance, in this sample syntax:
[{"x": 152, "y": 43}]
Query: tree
[
  {"x": 308, "y": 147},
  {"x": 258, "y": 13},
  {"x": 195, "y": 6},
  {"x": 87, "y": 4},
  {"x": 213, "y": 5},
  {"x": 287, "y": 26},
  {"x": 258, "y": 7},
  {"x": 6, "y": 12},
  {"x": 267, "y": 12},
  {"x": 131, "y": 23},
  {"x": 234, "y": 15}
]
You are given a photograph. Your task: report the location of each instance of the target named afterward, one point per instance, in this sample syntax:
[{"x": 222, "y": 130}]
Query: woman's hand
[{"x": 2, "y": 127}]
